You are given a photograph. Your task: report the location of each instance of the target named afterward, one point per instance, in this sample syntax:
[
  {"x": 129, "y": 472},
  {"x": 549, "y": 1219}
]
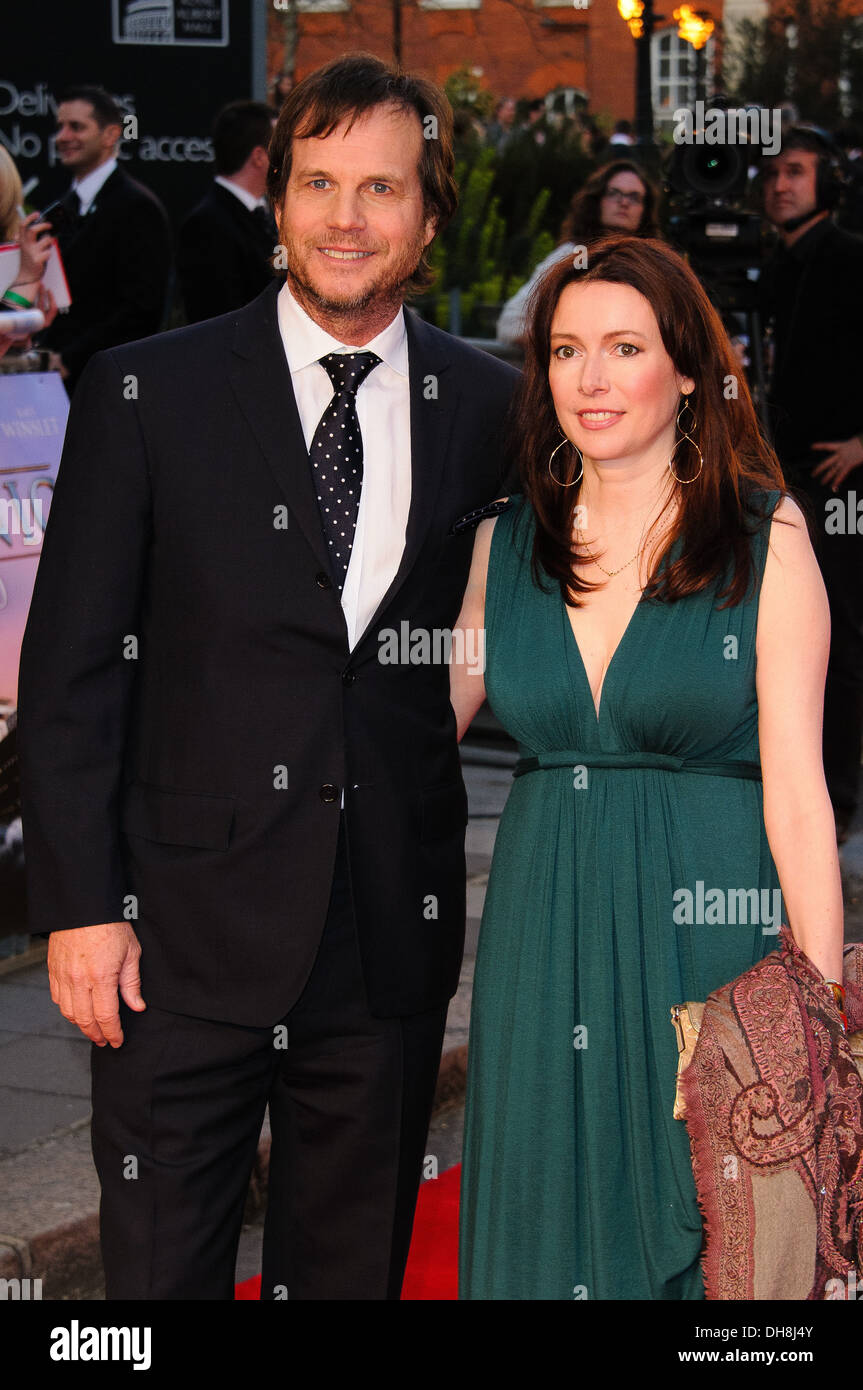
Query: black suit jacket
[
  {"x": 815, "y": 393},
  {"x": 186, "y": 655},
  {"x": 118, "y": 264},
  {"x": 222, "y": 256}
]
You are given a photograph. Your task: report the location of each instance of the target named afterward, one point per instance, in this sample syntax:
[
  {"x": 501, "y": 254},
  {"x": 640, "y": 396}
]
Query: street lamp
[
  {"x": 695, "y": 27},
  {"x": 631, "y": 11},
  {"x": 640, "y": 17}
]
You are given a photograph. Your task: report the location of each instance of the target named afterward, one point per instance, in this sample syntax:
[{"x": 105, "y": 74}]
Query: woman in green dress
[{"x": 656, "y": 642}]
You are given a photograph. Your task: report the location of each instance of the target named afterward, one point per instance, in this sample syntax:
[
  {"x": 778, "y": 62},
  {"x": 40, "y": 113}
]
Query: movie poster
[{"x": 33, "y": 411}]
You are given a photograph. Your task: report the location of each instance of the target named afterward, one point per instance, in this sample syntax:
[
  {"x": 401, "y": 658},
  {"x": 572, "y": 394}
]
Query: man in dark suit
[
  {"x": 807, "y": 286},
  {"x": 227, "y": 771},
  {"x": 114, "y": 239},
  {"x": 226, "y": 242}
]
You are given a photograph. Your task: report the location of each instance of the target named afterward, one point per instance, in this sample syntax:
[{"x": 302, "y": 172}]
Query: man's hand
[
  {"x": 835, "y": 467},
  {"x": 86, "y": 965}
]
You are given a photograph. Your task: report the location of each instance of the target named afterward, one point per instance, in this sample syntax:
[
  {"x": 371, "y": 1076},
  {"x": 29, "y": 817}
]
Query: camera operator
[{"x": 811, "y": 289}]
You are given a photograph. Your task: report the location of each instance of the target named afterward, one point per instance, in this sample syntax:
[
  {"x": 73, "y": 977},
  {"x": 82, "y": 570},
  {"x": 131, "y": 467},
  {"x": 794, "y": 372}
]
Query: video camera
[{"x": 707, "y": 182}]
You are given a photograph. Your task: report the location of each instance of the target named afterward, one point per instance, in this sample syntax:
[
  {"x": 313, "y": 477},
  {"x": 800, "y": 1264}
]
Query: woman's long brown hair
[{"x": 717, "y": 513}]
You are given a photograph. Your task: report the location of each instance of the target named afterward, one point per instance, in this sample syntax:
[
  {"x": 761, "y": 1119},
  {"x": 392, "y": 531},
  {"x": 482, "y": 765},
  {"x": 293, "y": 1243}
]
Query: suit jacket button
[
  {"x": 329, "y": 792},
  {"x": 323, "y": 581},
  {"x": 348, "y": 677}
]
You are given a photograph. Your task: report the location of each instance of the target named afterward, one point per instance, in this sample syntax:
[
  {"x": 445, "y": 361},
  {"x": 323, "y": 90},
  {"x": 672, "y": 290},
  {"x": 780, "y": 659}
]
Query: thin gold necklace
[{"x": 612, "y": 573}]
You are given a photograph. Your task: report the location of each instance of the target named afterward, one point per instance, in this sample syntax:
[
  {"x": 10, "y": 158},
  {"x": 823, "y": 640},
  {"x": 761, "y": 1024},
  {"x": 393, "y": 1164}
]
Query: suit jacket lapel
[
  {"x": 261, "y": 381},
  {"x": 432, "y": 406}
]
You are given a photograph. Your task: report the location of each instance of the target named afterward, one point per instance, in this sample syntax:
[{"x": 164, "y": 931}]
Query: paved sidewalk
[{"x": 48, "y": 1188}]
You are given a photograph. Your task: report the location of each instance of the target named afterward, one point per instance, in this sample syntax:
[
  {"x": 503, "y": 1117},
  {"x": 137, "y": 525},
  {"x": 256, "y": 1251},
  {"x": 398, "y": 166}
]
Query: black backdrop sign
[
  {"x": 170, "y": 21},
  {"x": 171, "y": 63}
]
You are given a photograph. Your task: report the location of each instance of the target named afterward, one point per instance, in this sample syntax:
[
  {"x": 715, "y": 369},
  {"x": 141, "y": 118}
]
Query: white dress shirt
[
  {"x": 246, "y": 198},
  {"x": 91, "y": 184},
  {"x": 383, "y": 411}
]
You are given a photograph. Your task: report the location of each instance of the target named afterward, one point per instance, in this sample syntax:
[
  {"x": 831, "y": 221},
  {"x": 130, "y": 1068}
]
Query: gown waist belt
[{"x": 666, "y": 762}]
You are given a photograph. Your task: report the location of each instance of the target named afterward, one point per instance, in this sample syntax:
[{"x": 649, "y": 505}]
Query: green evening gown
[{"x": 576, "y": 1180}]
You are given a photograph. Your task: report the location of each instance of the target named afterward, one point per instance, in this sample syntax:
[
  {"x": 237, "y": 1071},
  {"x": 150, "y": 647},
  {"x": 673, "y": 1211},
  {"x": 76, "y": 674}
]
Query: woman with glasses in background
[{"x": 619, "y": 197}]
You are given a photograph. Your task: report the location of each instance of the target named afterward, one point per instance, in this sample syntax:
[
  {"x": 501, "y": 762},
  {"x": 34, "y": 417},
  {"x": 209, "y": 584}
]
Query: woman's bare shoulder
[
  {"x": 482, "y": 550},
  {"x": 792, "y": 596},
  {"x": 788, "y": 537}
]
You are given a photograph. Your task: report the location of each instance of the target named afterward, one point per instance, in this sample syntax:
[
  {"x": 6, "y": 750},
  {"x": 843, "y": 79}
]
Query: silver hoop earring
[
  {"x": 684, "y": 434},
  {"x": 566, "y": 440}
]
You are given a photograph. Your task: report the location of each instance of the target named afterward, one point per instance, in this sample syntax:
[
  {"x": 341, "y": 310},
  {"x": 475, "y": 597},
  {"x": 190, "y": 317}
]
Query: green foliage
[
  {"x": 464, "y": 91},
  {"x": 542, "y": 245},
  {"x": 511, "y": 205},
  {"x": 537, "y": 212},
  {"x": 480, "y": 253}
]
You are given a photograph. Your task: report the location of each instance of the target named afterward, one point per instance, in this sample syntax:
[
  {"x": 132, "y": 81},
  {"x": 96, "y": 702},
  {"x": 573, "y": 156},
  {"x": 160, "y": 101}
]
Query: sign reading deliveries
[
  {"x": 172, "y": 22},
  {"x": 33, "y": 411},
  {"x": 171, "y": 65}
]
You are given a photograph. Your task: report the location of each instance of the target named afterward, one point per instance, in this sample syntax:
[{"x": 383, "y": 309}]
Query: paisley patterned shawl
[{"x": 774, "y": 1111}]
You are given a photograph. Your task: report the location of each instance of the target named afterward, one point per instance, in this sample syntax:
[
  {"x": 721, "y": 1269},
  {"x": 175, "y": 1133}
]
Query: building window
[
  {"x": 672, "y": 72},
  {"x": 566, "y": 101}
]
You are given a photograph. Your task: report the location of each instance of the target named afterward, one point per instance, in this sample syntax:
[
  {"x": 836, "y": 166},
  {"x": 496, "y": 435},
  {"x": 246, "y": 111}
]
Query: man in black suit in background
[
  {"x": 228, "y": 773},
  {"x": 225, "y": 244},
  {"x": 115, "y": 239},
  {"x": 807, "y": 286}
]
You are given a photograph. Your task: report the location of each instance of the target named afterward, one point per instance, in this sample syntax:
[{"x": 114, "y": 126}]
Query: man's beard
[{"x": 388, "y": 288}]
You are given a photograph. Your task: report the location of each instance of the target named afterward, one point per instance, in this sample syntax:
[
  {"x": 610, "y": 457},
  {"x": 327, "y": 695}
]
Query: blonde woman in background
[{"x": 26, "y": 291}]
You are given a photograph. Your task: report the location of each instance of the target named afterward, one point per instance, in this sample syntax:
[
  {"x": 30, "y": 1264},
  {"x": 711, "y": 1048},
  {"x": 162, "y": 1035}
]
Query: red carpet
[{"x": 432, "y": 1271}]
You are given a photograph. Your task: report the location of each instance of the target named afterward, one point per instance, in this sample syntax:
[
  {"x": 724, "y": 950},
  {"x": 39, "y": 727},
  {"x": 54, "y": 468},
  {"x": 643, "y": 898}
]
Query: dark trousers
[
  {"x": 177, "y": 1113},
  {"x": 840, "y": 558}
]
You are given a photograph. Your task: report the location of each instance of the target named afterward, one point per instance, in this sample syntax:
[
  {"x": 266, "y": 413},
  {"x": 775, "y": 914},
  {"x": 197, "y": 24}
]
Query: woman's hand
[{"x": 35, "y": 250}]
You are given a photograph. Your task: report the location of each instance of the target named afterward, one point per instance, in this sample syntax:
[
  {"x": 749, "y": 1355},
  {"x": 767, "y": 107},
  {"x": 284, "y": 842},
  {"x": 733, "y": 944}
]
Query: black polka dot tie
[{"x": 337, "y": 456}]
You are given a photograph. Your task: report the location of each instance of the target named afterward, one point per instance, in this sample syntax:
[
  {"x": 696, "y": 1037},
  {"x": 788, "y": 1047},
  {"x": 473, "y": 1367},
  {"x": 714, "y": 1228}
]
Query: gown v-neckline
[
  {"x": 581, "y": 662},
  {"x": 643, "y": 600}
]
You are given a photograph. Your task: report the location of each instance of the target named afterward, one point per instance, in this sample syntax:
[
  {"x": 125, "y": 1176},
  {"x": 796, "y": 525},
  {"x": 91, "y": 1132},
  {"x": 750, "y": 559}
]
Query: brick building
[
  {"x": 520, "y": 48},
  {"x": 577, "y": 49}
]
